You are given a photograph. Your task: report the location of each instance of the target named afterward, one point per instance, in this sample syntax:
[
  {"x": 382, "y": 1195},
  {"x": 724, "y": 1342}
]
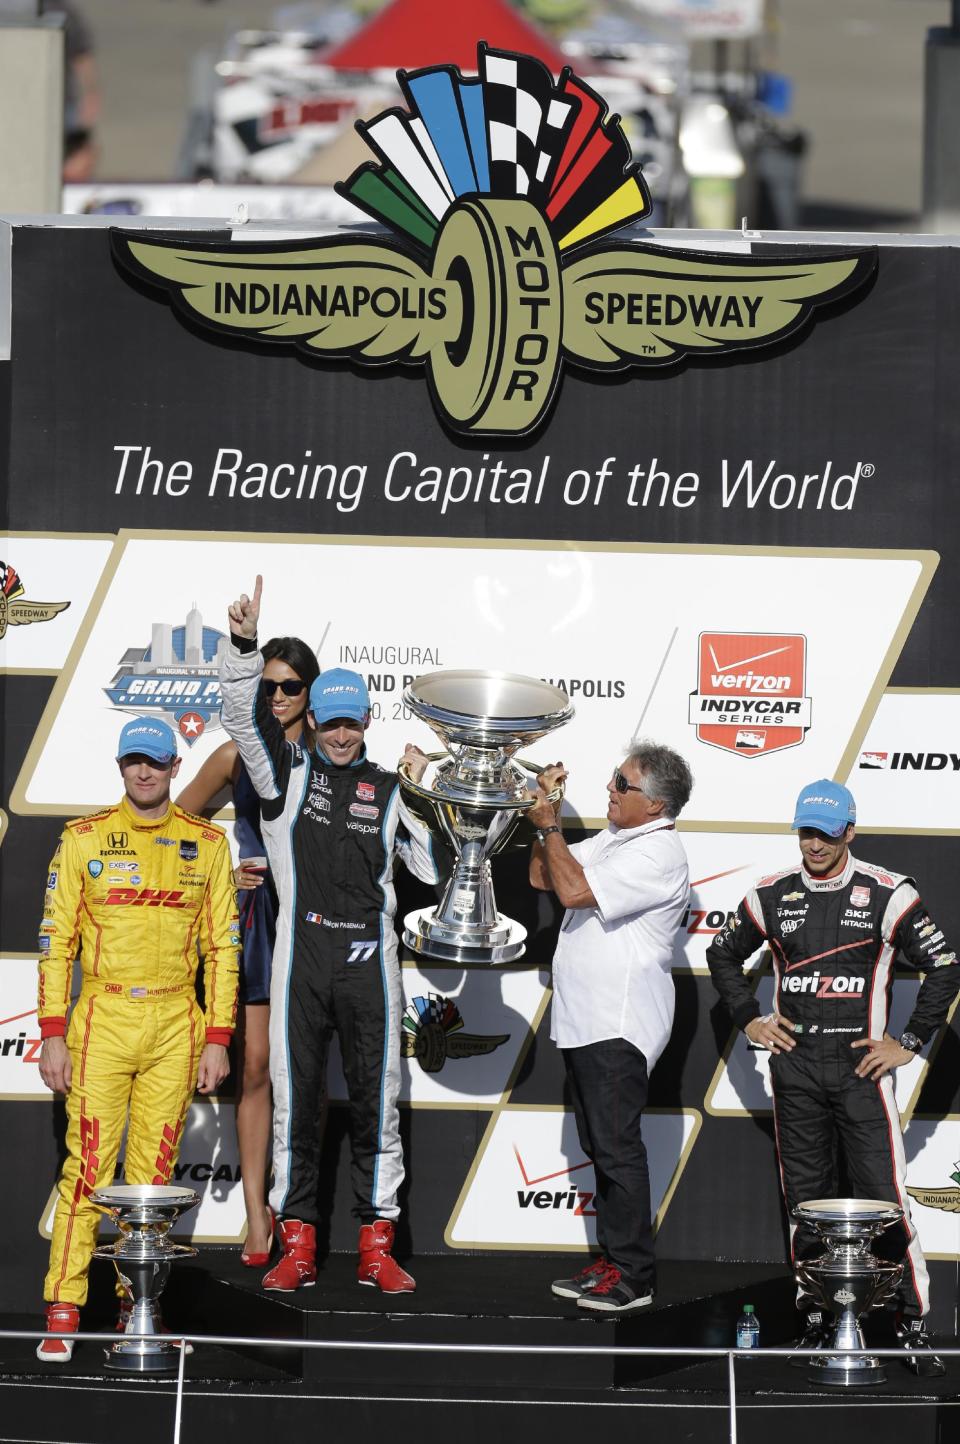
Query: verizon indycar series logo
[
  {"x": 431, "y": 1033},
  {"x": 750, "y": 696},
  {"x": 175, "y": 677}
]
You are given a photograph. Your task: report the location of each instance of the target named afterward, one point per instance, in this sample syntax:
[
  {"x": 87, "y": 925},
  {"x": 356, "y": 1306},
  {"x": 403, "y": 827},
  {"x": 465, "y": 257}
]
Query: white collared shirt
[{"x": 611, "y": 968}]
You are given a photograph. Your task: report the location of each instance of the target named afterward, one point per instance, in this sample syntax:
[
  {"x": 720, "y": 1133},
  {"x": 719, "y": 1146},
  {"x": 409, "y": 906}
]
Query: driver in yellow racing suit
[{"x": 134, "y": 889}]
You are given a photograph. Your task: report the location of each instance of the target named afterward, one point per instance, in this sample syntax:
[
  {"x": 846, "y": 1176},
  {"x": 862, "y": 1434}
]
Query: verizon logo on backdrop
[{"x": 750, "y": 696}]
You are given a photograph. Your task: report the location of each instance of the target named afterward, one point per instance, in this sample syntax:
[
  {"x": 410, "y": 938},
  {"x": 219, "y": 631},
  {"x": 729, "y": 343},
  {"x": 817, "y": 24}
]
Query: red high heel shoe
[{"x": 260, "y": 1260}]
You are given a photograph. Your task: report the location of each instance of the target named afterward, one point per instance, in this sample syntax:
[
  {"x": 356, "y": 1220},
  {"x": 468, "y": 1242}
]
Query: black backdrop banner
[{"x": 658, "y": 532}]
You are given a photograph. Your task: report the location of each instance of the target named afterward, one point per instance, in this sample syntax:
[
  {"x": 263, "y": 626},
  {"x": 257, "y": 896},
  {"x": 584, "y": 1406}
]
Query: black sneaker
[
  {"x": 912, "y": 1334},
  {"x": 816, "y": 1335},
  {"x": 613, "y": 1295},
  {"x": 582, "y": 1283}
]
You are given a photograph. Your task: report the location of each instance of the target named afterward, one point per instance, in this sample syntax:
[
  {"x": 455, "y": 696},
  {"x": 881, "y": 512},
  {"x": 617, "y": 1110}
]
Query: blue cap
[
  {"x": 827, "y": 806},
  {"x": 339, "y": 693},
  {"x": 151, "y": 737}
]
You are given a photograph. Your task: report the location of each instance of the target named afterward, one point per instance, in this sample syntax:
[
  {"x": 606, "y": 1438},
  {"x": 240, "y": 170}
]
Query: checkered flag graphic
[{"x": 527, "y": 123}]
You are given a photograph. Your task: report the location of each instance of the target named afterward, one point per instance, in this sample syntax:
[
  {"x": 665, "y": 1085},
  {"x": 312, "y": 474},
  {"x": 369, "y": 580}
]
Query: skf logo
[
  {"x": 148, "y": 897},
  {"x": 947, "y": 1199},
  {"x": 431, "y": 1033},
  {"x": 750, "y": 691},
  {"x": 15, "y": 610},
  {"x": 492, "y": 187},
  {"x": 577, "y": 1200}
]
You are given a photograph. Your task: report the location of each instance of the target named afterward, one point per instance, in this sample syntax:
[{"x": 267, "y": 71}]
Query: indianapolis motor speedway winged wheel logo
[
  {"x": 15, "y": 609},
  {"x": 497, "y": 189}
]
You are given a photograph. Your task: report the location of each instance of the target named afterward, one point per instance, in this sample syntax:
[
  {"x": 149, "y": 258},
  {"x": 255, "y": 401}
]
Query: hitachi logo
[
  {"x": 751, "y": 681},
  {"x": 825, "y": 986}
]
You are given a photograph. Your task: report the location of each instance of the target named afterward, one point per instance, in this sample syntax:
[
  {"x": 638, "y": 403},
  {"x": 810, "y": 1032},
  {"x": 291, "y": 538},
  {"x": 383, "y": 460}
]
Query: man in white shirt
[{"x": 625, "y": 891}]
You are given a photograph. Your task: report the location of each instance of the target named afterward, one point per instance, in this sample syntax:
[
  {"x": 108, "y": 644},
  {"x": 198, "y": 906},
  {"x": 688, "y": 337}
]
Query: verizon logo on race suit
[{"x": 750, "y": 691}]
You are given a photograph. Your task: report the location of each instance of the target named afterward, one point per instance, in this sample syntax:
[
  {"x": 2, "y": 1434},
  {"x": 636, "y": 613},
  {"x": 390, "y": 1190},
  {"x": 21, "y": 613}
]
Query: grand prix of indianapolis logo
[
  {"x": 750, "y": 691},
  {"x": 176, "y": 677},
  {"x": 15, "y": 609},
  {"x": 497, "y": 189}
]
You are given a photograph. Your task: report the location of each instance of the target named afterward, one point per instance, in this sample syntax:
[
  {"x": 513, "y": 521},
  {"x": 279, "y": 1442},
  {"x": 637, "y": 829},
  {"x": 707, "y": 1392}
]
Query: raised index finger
[{"x": 257, "y": 590}]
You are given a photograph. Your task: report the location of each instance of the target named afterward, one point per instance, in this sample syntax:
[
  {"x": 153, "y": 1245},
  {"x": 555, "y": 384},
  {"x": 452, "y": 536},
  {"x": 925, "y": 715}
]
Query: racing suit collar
[
  {"x": 137, "y": 820},
  {"x": 829, "y": 884},
  {"x": 358, "y": 761}
]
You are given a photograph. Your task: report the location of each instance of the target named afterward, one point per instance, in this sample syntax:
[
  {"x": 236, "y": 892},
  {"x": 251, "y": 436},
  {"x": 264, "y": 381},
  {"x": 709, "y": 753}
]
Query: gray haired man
[{"x": 625, "y": 891}]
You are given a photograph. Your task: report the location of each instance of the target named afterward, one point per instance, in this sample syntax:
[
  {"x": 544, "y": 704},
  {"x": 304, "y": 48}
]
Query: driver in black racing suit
[
  {"x": 333, "y": 824},
  {"x": 834, "y": 927}
]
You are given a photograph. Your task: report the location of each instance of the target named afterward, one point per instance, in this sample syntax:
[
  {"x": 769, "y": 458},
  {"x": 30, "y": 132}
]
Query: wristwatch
[
  {"x": 544, "y": 832},
  {"x": 910, "y": 1041}
]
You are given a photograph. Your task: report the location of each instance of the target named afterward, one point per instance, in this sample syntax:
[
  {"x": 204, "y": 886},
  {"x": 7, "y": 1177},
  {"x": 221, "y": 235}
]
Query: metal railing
[{"x": 516, "y": 1351}]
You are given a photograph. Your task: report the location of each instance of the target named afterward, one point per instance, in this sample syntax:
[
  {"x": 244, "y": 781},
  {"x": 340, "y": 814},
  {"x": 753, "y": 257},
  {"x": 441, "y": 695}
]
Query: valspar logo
[
  {"x": 497, "y": 189},
  {"x": 750, "y": 693}
]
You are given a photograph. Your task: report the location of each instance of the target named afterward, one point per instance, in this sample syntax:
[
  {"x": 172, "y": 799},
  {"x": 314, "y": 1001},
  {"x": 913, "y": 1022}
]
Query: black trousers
[
  {"x": 825, "y": 1114},
  {"x": 608, "y": 1088}
]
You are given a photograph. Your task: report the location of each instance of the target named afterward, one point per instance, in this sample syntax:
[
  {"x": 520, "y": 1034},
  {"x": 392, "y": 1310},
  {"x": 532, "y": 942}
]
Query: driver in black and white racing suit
[
  {"x": 834, "y": 926},
  {"x": 333, "y": 824}
]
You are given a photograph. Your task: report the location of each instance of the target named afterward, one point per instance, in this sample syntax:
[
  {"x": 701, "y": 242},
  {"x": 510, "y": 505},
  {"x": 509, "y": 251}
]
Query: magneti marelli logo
[{"x": 497, "y": 189}]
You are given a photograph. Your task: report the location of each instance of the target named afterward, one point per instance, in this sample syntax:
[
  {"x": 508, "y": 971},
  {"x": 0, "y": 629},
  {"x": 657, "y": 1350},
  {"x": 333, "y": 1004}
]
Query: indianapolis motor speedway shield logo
[{"x": 497, "y": 189}]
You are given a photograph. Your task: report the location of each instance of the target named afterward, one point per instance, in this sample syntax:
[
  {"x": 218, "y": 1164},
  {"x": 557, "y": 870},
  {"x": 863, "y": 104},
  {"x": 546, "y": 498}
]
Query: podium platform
[{"x": 287, "y": 1391}]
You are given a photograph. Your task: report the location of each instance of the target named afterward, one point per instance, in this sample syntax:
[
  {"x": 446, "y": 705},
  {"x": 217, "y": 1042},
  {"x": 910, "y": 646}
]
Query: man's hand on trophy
[
  {"x": 244, "y": 613},
  {"x": 414, "y": 761},
  {"x": 544, "y": 812}
]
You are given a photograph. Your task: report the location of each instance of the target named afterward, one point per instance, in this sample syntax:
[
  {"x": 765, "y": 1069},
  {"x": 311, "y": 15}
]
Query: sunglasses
[
  {"x": 622, "y": 785},
  {"x": 290, "y": 686}
]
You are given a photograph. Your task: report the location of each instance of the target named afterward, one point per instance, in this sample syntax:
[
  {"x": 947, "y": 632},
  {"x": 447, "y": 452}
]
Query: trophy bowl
[
  {"x": 848, "y": 1280},
  {"x": 144, "y": 1214},
  {"x": 473, "y": 800}
]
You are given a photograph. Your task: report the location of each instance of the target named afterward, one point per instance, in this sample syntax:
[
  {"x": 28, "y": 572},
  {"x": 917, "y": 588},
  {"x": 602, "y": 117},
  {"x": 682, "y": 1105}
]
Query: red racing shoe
[
  {"x": 377, "y": 1266},
  {"x": 62, "y": 1321},
  {"x": 297, "y": 1268}
]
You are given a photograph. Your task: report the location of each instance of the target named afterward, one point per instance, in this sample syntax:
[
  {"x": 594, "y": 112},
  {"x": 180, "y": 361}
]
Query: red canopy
[{"x": 415, "y": 33}]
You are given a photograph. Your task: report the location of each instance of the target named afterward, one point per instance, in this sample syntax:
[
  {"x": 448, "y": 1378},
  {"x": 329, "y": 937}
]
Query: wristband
[{"x": 544, "y": 832}]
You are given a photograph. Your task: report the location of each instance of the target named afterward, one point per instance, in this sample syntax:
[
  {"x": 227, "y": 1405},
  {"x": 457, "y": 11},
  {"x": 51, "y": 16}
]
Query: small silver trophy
[
  {"x": 143, "y": 1253},
  {"x": 475, "y": 801},
  {"x": 848, "y": 1280}
]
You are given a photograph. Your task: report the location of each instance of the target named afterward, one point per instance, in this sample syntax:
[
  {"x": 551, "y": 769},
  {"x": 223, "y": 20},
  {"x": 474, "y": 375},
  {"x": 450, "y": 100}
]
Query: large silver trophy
[
  {"x": 144, "y": 1214},
  {"x": 848, "y": 1280},
  {"x": 474, "y": 800}
]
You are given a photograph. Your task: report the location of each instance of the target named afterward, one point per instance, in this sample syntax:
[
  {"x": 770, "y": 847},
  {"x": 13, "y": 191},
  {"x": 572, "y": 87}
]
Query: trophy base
[
  {"x": 423, "y": 935},
  {"x": 835, "y": 1370},
  {"x": 135, "y": 1358}
]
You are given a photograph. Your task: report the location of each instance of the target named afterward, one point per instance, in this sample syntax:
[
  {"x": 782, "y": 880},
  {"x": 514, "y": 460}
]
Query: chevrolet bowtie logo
[{"x": 497, "y": 280}]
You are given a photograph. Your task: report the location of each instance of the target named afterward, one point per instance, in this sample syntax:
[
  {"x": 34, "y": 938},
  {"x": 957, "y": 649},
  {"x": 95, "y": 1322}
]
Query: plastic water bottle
[{"x": 748, "y": 1329}]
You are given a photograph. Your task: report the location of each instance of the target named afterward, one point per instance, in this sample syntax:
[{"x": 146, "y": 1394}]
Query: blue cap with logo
[
  {"x": 150, "y": 736},
  {"x": 339, "y": 693},
  {"x": 827, "y": 806}
]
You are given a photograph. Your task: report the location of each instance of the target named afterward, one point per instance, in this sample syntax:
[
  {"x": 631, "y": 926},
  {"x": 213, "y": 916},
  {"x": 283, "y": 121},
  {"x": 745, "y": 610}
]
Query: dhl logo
[{"x": 143, "y": 897}]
